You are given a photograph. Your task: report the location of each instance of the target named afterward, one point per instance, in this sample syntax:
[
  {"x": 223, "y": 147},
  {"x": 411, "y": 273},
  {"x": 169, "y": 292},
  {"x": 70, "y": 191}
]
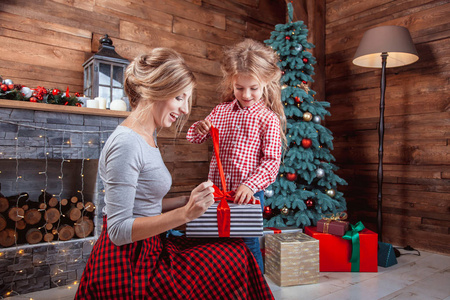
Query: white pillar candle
[
  {"x": 118, "y": 104},
  {"x": 92, "y": 103},
  {"x": 101, "y": 102}
]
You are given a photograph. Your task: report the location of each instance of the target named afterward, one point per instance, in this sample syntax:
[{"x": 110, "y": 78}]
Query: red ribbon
[
  {"x": 223, "y": 209},
  {"x": 275, "y": 230}
]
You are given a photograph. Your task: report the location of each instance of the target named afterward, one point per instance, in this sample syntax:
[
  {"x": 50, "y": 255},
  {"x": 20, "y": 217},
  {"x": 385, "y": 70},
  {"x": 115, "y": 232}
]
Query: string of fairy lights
[{"x": 55, "y": 269}]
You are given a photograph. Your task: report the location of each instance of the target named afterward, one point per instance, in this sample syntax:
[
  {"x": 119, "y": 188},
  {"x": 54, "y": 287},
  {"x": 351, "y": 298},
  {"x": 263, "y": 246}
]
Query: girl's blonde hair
[
  {"x": 253, "y": 58},
  {"x": 158, "y": 76}
]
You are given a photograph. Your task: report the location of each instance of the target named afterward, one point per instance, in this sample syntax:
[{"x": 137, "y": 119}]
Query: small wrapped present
[
  {"x": 292, "y": 259},
  {"x": 334, "y": 224},
  {"x": 223, "y": 219},
  {"x": 356, "y": 251},
  {"x": 276, "y": 230},
  {"x": 386, "y": 255}
]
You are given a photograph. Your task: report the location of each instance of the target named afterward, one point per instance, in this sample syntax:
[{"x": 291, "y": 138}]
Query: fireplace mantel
[{"x": 63, "y": 108}]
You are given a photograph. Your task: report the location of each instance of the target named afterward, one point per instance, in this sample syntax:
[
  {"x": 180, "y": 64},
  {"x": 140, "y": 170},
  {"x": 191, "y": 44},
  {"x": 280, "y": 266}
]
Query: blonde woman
[{"x": 133, "y": 258}]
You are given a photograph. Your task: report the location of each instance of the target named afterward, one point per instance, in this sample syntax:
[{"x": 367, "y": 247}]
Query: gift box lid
[{"x": 291, "y": 237}]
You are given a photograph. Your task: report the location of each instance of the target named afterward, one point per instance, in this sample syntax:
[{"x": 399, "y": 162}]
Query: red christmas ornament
[
  {"x": 4, "y": 87},
  {"x": 55, "y": 92},
  {"x": 305, "y": 60},
  {"x": 77, "y": 94},
  {"x": 33, "y": 99},
  {"x": 78, "y": 104},
  {"x": 11, "y": 86},
  {"x": 306, "y": 143},
  {"x": 309, "y": 203},
  {"x": 267, "y": 213},
  {"x": 288, "y": 38},
  {"x": 304, "y": 82},
  {"x": 291, "y": 176},
  {"x": 297, "y": 100}
]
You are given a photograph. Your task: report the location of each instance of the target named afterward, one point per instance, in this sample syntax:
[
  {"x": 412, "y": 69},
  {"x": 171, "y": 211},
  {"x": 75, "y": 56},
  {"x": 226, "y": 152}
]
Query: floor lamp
[{"x": 384, "y": 47}]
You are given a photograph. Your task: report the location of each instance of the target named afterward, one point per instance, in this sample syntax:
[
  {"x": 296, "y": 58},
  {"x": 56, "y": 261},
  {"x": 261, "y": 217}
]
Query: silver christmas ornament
[
  {"x": 299, "y": 47},
  {"x": 26, "y": 91},
  {"x": 8, "y": 81},
  {"x": 331, "y": 193},
  {"x": 268, "y": 193},
  {"x": 317, "y": 119},
  {"x": 320, "y": 173}
]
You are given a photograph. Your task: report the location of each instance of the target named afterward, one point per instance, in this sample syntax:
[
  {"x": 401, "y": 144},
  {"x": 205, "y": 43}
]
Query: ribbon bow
[
  {"x": 353, "y": 236},
  {"x": 223, "y": 209}
]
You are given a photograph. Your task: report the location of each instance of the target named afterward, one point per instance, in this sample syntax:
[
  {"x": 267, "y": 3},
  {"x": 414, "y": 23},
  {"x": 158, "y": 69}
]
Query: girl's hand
[
  {"x": 244, "y": 195},
  {"x": 201, "y": 198},
  {"x": 203, "y": 127}
]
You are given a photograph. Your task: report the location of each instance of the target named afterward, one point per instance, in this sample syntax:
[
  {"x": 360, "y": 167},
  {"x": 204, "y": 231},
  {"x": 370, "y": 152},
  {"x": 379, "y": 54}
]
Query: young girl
[{"x": 251, "y": 124}]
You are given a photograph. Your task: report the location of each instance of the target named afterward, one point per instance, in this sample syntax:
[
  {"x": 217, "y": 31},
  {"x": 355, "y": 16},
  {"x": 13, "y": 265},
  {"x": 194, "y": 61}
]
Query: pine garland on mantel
[{"x": 11, "y": 91}]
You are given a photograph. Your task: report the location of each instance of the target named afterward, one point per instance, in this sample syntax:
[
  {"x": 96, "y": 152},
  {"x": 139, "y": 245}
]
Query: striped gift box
[{"x": 245, "y": 221}]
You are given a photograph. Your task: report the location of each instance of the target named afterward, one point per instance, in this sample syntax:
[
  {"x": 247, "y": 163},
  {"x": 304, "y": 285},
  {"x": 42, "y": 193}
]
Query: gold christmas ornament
[
  {"x": 331, "y": 193},
  {"x": 285, "y": 211},
  {"x": 307, "y": 116}
]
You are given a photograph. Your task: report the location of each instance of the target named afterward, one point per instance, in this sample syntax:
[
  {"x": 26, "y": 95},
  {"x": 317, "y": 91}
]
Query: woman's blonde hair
[
  {"x": 158, "y": 76},
  {"x": 253, "y": 58}
]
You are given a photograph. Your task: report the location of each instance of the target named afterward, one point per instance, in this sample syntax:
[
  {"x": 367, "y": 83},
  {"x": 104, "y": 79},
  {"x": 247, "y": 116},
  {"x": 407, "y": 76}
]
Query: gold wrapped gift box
[{"x": 292, "y": 259}]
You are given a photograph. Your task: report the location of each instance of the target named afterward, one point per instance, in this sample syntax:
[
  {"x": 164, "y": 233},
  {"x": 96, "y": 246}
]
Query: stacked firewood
[{"x": 23, "y": 220}]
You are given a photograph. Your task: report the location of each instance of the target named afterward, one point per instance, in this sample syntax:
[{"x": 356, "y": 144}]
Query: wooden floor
[{"x": 414, "y": 277}]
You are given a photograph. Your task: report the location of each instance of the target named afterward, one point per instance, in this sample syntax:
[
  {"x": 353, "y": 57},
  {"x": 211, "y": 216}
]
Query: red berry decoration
[
  {"x": 309, "y": 203},
  {"x": 291, "y": 176},
  {"x": 288, "y": 38},
  {"x": 33, "y": 99},
  {"x": 4, "y": 87},
  {"x": 267, "y": 213},
  {"x": 11, "y": 86},
  {"x": 305, "y": 60},
  {"x": 77, "y": 94},
  {"x": 297, "y": 100},
  {"x": 55, "y": 92},
  {"x": 306, "y": 143}
]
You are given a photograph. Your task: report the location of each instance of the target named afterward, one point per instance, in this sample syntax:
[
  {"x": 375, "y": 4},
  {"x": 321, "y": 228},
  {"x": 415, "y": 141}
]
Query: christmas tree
[{"x": 306, "y": 186}]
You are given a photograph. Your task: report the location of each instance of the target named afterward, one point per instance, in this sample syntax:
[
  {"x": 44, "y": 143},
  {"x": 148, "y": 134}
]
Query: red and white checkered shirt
[{"x": 249, "y": 145}]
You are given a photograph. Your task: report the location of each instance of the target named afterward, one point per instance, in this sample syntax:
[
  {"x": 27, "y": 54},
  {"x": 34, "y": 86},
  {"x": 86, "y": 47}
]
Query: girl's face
[
  {"x": 247, "y": 90},
  {"x": 167, "y": 112}
]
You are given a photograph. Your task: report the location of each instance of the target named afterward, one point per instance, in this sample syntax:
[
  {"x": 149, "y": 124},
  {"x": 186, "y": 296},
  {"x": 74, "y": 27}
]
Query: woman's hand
[
  {"x": 244, "y": 195},
  {"x": 203, "y": 127},
  {"x": 201, "y": 198}
]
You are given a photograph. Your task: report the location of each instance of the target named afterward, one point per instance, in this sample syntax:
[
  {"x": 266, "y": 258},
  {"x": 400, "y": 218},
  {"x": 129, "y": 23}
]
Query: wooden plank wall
[
  {"x": 416, "y": 192},
  {"x": 45, "y": 42}
]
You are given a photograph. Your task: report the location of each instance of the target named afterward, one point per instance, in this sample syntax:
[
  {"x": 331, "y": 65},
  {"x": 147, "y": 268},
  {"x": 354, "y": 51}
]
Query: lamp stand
[{"x": 384, "y": 56}]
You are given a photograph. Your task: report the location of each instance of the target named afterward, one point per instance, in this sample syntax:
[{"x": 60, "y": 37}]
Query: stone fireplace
[{"x": 56, "y": 152}]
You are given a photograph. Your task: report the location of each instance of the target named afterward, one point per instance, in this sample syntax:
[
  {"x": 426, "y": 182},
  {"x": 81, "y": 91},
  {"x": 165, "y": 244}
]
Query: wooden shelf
[{"x": 63, "y": 109}]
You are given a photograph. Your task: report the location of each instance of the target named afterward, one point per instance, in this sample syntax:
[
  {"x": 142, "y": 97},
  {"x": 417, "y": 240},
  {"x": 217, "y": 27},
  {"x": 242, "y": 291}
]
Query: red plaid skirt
[{"x": 172, "y": 268}]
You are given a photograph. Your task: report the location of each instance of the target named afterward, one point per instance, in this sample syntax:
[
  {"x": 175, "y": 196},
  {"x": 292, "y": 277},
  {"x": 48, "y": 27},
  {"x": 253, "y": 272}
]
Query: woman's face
[
  {"x": 247, "y": 90},
  {"x": 165, "y": 113}
]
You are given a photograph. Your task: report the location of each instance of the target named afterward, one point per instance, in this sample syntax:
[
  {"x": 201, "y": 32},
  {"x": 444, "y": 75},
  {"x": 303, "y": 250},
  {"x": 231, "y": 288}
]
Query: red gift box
[
  {"x": 335, "y": 252},
  {"x": 338, "y": 228}
]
